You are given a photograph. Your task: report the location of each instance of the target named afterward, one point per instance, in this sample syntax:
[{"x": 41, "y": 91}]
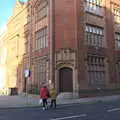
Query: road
[{"x": 91, "y": 111}]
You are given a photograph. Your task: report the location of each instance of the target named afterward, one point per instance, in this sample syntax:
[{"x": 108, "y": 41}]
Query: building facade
[
  {"x": 3, "y": 59},
  {"x": 73, "y": 44},
  {"x": 13, "y": 45}
]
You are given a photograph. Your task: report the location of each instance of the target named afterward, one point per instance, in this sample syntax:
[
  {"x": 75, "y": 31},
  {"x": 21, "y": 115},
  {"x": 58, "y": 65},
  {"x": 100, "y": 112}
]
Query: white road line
[
  {"x": 69, "y": 117},
  {"x": 113, "y": 110}
]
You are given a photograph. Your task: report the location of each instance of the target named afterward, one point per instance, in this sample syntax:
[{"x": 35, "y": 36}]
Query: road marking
[
  {"x": 69, "y": 117},
  {"x": 113, "y": 110}
]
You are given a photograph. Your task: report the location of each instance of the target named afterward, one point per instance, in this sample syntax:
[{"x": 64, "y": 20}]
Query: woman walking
[
  {"x": 44, "y": 96},
  {"x": 53, "y": 96}
]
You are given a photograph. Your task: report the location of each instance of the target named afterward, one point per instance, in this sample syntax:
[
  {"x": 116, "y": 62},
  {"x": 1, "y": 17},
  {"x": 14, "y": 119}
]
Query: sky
[
  {"x": 5, "y": 10},
  {"x": 6, "y": 7}
]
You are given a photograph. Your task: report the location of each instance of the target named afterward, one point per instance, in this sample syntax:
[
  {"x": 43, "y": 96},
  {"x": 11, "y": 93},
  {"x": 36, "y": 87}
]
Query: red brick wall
[
  {"x": 65, "y": 23},
  {"x": 109, "y": 29}
]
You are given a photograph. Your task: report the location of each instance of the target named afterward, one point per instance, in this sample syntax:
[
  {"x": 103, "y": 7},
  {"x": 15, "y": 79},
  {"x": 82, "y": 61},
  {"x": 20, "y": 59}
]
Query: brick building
[{"x": 73, "y": 44}]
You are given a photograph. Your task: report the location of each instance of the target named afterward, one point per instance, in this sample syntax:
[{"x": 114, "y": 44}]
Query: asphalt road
[{"x": 93, "y": 111}]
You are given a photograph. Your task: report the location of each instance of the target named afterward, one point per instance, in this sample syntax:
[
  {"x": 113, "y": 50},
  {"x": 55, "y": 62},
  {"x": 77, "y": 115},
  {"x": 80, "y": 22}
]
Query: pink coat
[{"x": 43, "y": 93}]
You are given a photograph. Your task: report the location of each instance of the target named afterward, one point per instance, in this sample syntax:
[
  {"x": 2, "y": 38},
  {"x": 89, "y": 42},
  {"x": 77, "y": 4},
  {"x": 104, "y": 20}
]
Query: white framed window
[
  {"x": 94, "y": 6},
  {"x": 94, "y": 36}
]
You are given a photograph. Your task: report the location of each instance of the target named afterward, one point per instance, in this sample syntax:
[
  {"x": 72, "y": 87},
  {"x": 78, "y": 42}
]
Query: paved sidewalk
[{"x": 30, "y": 101}]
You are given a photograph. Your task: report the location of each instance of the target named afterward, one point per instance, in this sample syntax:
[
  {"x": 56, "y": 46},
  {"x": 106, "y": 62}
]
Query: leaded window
[
  {"x": 96, "y": 70},
  {"x": 41, "y": 11},
  {"x": 94, "y": 6},
  {"x": 41, "y": 37},
  {"x": 94, "y": 36}
]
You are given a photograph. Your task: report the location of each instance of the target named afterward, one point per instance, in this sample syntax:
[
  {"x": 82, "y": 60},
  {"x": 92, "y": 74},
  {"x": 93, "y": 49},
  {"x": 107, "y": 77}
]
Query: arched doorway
[{"x": 65, "y": 80}]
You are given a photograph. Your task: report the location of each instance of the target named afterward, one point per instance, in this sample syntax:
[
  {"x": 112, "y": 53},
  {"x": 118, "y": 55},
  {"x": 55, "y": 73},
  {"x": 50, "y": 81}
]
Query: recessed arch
[{"x": 65, "y": 79}]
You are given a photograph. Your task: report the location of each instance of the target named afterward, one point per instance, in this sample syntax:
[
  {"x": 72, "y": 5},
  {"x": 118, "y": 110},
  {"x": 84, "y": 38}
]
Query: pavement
[
  {"x": 108, "y": 110},
  {"x": 33, "y": 101}
]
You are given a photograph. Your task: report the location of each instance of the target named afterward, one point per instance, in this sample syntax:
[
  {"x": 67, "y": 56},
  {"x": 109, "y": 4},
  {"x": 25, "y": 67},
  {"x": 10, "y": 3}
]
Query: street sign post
[{"x": 27, "y": 74}]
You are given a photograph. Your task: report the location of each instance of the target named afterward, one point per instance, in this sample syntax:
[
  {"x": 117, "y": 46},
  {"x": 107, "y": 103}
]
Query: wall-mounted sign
[{"x": 27, "y": 73}]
